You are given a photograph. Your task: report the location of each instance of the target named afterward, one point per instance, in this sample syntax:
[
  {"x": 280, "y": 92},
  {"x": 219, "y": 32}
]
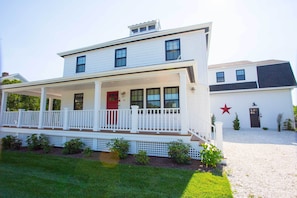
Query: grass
[{"x": 36, "y": 175}]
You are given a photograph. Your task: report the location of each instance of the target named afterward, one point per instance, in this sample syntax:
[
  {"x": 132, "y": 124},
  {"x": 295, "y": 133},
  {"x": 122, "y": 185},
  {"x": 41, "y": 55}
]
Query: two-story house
[
  {"x": 257, "y": 91},
  {"x": 151, "y": 82}
]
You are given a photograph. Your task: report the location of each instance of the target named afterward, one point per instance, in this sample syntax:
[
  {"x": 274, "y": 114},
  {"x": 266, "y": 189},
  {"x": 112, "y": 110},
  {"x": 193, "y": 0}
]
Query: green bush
[
  {"x": 288, "y": 125},
  {"x": 120, "y": 147},
  {"x": 88, "y": 152},
  {"x": 73, "y": 146},
  {"x": 11, "y": 142},
  {"x": 210, "y": 155},
  {"x": 236, "y": 123},
  {"x": 37, "y": 142},
  {"x": 179, "y": 152},
  {"x": 142, "y": 158}
]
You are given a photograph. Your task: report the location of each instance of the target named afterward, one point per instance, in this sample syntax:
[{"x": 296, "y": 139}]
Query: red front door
[{"x": 112, "y": 100}]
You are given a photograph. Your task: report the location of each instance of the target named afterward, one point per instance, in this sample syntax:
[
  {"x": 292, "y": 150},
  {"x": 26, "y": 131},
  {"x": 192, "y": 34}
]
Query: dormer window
[
  {"x": 142, "y": 28},
  {"x": 151, "y": 27}
]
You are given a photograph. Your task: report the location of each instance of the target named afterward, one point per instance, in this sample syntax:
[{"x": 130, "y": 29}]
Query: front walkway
[{"x": 261, "y": 163}]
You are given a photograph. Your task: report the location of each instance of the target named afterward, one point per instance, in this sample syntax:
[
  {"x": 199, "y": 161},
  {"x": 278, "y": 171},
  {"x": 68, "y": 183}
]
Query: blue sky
[{"x": 32, "y": 32}]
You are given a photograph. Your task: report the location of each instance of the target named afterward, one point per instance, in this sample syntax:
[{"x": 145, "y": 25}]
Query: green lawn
[{"x": 24, "y": 174}]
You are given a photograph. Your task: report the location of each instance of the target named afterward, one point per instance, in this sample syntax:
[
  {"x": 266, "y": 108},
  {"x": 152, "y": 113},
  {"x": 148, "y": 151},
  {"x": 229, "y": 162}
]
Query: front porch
[{"x": 134, "y": 120}]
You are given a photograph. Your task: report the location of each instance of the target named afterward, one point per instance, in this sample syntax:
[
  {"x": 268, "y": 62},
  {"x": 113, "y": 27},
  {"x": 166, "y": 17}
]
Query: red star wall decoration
[{"x": 225, "y": 109}]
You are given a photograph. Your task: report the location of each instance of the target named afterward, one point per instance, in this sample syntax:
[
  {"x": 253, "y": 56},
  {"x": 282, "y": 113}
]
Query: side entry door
[{"x": 255, "y": 117}]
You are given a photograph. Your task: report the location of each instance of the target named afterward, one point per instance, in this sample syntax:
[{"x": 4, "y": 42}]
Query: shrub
[
  {"x": 265, "y": 128},
  {"x": 179, "y": 152},
  {"x": 210, "y": 155},
  {"x": 120, "y": 147},
  {"x": 288, "y": 125},
  {"x": 88, "y": 152},
  {"x": 37, "y": 142},
  {"x": 236, "y": 123},
  {"x": 11, "y": 142},
  {"x": 33, "y": 142},
  {"x": 73, "y": 146},
  {"x": 142, "y": 158}
]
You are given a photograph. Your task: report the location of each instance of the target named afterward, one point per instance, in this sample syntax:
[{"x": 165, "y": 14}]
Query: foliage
[
  {"x": 56, "y": 176},
  {"x": 288, "y": 125},
  {"x": 179, "y": 152},
  {"x": 16, "y": 101},
  {"x": 210, "y": 155},
  {"x": 88, "y": 152},
  {"x": 37, "y": 142},
  {"x": 279, "y": 121},
  {"x": 295, "y": 112},
  {"x": 265, "y": 128},
  {"x": 142, "y": 158},
  {"x": 73, "y": 146},
  {"x": 236, "y": 123},
  {"x": 120, "y": 147},
  {"x": 11, "y": 142},
  {"x": 213, "y": 120}
]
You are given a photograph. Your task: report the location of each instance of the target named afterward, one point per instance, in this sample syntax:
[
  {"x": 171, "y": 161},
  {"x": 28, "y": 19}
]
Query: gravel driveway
[{"x": 261, "y": 163}]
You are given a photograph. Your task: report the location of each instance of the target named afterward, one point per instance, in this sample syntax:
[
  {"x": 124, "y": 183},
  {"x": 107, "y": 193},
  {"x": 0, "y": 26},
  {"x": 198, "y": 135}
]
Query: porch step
[{"x": 197, "y": 139}]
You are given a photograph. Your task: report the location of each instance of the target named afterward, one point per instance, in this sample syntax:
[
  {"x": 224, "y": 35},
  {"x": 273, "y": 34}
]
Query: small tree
[
  {"x": 279, "y": 121},
  {"x": 236, "y": 123}
]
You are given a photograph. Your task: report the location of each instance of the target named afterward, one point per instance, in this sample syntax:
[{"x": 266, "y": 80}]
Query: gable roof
[
  {"x": 206, "y": 27},
  {"x": 275, "y": 75},
  {"x": 14, "y": 76}
]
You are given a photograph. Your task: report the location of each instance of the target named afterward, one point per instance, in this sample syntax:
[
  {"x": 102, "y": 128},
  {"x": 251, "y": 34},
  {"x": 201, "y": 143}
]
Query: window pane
[
  {"x": 172, "y": 49},
  {"x": 137, "y": 97},
  {"x": 220, "y": 77},
  {"x": 153, "y": 98},
  {"x": 78, "y": 101},
  {"x": 171, "y": 97},
  {"x": 80, "y": 64},
  {"x": 120, "y": 57},
  {"x": 240, "y": 74}
]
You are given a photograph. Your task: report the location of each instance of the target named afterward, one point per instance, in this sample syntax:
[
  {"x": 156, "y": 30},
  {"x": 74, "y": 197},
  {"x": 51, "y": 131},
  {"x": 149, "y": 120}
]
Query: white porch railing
[
  {"x": 10, "y": 118},
  {"x": 81, "y": 119},
  {"x": 53, "y": 119},
  {"x": 160, "y": 120},
  {"x": 29, "y": 119},
  {"x": 148, "y": 120},
  {"x": 115, "y": 119}
]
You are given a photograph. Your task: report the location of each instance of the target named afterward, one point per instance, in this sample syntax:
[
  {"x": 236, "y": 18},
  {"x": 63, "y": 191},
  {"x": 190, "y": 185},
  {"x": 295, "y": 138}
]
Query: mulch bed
[{"x": 108, "y": 158}]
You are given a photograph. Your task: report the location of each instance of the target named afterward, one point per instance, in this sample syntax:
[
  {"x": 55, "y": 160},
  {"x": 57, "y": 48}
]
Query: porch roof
[{"x": 85, "y": 80}]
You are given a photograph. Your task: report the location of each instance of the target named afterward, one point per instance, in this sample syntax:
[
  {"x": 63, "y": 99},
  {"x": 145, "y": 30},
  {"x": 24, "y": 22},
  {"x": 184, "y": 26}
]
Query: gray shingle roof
[
  {"x": 276, "y": 75},
  {"x": 233, "y": 86}
]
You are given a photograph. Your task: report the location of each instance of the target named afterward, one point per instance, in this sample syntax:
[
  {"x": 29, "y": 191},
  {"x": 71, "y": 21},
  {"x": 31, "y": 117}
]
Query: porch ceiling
[{"x": 125, "y": 77}]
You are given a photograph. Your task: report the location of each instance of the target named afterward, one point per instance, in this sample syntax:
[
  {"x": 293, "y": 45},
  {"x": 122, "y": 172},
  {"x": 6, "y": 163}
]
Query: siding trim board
[{"x": 233, "y": 86}]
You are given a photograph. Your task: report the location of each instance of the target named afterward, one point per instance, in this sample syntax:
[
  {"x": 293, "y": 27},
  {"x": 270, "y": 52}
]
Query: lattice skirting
[{"x": 153, "y": 148}]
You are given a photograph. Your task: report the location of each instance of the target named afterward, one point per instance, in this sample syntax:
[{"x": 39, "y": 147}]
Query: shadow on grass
[{"x": 38, "y": 175}]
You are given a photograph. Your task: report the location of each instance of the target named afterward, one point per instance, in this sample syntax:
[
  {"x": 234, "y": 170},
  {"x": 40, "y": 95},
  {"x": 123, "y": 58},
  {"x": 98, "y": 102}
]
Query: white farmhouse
[
  {"x": 257, "y": 91},
  {"x": 149, "y": 88}
]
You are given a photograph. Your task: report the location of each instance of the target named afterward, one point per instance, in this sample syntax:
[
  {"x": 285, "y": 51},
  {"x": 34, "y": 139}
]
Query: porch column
[
  {"x": 42, "y": 107},
  {"x": 134, "y": 119},
  {"x": 97, "y": 104},
  {"x": 183, "y": 102},
  {"x": 50, "y": 104},
  {"x": 219, "y": 135},
  {"x": 3, "y": 105}
]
